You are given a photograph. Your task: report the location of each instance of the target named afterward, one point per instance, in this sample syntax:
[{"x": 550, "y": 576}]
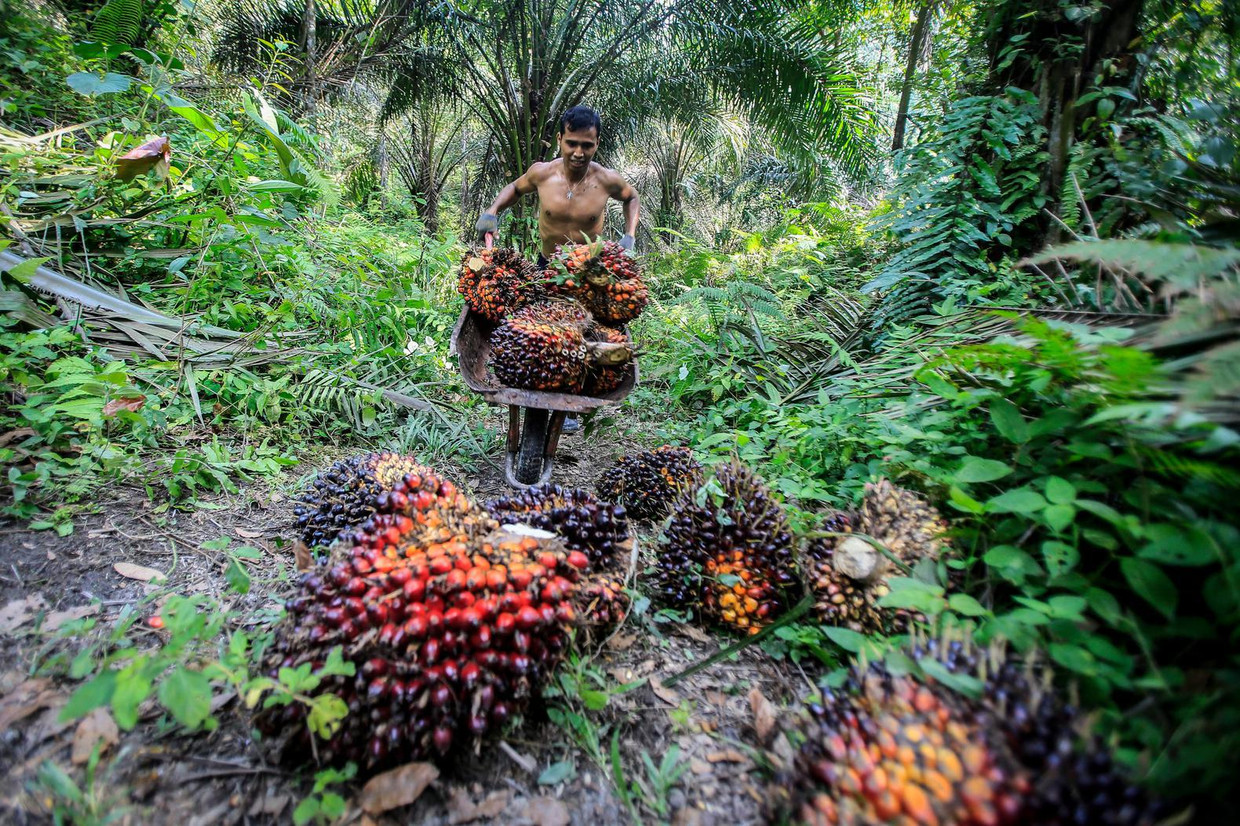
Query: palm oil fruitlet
[
  {"x": 452, "y": 623},
  {"x": 344, "y": 495},
  {"x": 905, "y": 523},
  {"x": 542, "y": 347},
  {"x": 497, "y": 281},
  {"x": 647, "y": 483},
  {"x": 726, "y": 551},
  {"x": 900, "y": 748},
  {"x": 602, "y": 276},
  {"x": 585, "y": 524}
]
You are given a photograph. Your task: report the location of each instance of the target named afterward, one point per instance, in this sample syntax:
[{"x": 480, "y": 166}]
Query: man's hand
[
  {"x": 626, "y": 243},
  {"x": 487, "y": 223}
]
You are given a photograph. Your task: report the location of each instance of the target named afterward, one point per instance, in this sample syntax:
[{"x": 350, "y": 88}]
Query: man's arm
[
  {"x": 510, "y": 194},
  {"x": 620, "y": 189}
]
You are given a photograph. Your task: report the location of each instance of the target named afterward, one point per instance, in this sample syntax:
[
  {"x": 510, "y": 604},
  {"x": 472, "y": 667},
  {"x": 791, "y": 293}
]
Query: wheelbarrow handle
[{"x": 490, "y": 238}]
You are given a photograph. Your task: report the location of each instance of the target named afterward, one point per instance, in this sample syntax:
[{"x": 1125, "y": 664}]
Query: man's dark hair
[{"x": 579, "y": 118}]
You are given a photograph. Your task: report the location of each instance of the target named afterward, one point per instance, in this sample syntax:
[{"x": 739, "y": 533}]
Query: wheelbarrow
[{"x": 535, "y": 417}]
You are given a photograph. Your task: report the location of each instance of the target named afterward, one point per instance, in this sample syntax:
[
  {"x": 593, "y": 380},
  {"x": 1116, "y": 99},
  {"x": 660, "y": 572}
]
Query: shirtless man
[{"x": 572, "y": 189}]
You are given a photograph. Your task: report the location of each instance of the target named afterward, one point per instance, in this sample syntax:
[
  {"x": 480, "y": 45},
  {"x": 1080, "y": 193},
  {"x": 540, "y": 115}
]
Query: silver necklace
[{"x": 573, "y": 187}]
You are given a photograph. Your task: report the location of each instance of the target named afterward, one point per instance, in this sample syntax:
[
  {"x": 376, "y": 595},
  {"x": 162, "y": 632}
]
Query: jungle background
[{"x": 987, "y": 249}]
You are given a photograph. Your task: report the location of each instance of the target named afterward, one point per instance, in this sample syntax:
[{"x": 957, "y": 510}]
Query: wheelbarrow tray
[{"x": 471, "y": 341}]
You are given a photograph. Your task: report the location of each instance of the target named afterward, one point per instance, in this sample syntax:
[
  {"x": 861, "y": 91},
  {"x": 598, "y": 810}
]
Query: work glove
[
  {"x": 487, "y": 223},
  {"x": 626, "y": 243}
]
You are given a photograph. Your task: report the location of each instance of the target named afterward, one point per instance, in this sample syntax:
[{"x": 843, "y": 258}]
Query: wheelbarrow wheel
[{"x": 533, "y": 446}]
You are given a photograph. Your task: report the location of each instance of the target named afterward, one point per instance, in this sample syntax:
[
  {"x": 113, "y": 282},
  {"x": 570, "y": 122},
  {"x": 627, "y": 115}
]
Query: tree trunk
[
  {"x": 1059, "y": 59},
  {"x": 309, "y": 45},
  {"x": 921, "y": 34}
]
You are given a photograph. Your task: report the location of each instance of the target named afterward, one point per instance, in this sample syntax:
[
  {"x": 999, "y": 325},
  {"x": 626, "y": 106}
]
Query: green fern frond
[
  {"x": 1174, "y": 465},
  {"x": 119, "y": 21}
]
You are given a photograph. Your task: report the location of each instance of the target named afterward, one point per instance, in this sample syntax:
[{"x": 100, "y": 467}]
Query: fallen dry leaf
[
  {"x": 24, "y": 700},
  {"x": 687, "y": 816},
  {"x": 621, "y": 641},
  {"x": 763, "y": 714},
  {"x": 302, "y": 556},
  {"x": 694, "y": 633},
  {"x": 547, "y": 811},
  {"x": 248, "y": 534},
  {"x": 783, "y": 750},
  {"x": 138, "y": 572},
  {"x": 154, "y": 154},
  {"x": 396, "y": 788},
  {"x": 699, "y": 766},
  {"x": 269, "y": 805},
  {"x": 58, "y": 618},
  {"x": 463, "y": 809},
  {"x": 20, "y": 611},
  {"x": 131, "y": 403},
  {"x": 17, "y": 433},
  {"x": 664, "y": 693},
  {"x": 96, "y": 727},
  {"x": 726, "y": 756},
  {"x": 716, "y": 698}
]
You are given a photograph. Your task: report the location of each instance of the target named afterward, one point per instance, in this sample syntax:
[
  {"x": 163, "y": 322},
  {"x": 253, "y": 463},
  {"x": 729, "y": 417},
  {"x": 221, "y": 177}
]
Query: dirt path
[{"x": 157, "y": 773}]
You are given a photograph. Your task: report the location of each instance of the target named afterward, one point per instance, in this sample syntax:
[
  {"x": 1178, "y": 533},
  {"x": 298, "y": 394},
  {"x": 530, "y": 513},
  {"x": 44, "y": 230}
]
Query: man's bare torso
[{"x": 571, "y": 210}]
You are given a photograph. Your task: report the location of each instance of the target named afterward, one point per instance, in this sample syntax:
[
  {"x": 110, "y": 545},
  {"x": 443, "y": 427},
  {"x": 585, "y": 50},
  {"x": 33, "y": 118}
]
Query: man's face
[{"x": 577, "y": 147}]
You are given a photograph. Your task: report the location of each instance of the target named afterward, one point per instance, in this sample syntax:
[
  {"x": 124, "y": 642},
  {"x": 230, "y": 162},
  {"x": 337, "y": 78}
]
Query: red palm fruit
[
  {"x": 541, "y": 347},
  {"x": 496, "y": 281},
  {"x": 444, "y": 650}
]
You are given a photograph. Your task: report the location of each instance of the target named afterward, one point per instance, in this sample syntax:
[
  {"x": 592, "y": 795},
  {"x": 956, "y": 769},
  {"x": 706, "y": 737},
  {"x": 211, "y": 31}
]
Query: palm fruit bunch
[
  {"x": 344, "y": 495},
  {"x": 602, "y": 379},
  {"x": 726, "y": 551},
  {"x": 583, "y": 523},
  {"x": 451, "y": 622},
  {"x": 647, "y": 483},
  {"x": 496, "y": 281},
  {"x": 602, "y": 276},
  {"x": 598, "y": 529},
  {"x": 849, "y": 576},
  {"x": 541, "y": 347},
  {"x": 901, "y": 748}
]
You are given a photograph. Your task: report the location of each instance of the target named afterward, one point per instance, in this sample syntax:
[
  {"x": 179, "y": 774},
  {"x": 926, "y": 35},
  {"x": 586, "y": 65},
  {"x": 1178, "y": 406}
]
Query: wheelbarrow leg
[{"x": 529, "y": 464}]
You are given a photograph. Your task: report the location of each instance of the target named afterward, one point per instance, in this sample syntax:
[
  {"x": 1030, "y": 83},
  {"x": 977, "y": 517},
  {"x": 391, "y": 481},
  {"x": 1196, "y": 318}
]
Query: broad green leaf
[
  {"x": 964, "y": 683},
  {"x": 1008, "y": 421},
  {"x": 1073, "y": 658},
  {"x": 275, "y": 186},
  {"x": 907, "y": 592},
  {"x": 187, "y": 695},
  {"x": 1012, "y": 563},
  {"x": 846, "y": 638},
  {"x": 964, "y": 501},
  {"x": 1151, "y": 584},
  {"x": 1104, "y": 604},
  {"x": 966, "y": 605},
  {"x": 1173, "y": 544},
  {"x": 90, "y": 696},
  {"x": 1067, "y": 606},
  {"x": 594, "y": 700},
  {"x": 1024, "y": 500},
  {"x": 24, "y": 271},
  {"x": 1059, "y": 517},
  {"x": 237, "y": 576},
  {"x": 187, "y": 110},
  {"x": 89, "y": 83},
  {"x": 132, "y": 688},
  {"x": 557, "y": 773},
  {"x": 1060, "y": 491},
  {"x": 1060, "y": 557},
  {"x": 973, "y": 469}
]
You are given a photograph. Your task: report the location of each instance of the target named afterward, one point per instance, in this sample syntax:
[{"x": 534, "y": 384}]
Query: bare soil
[{"x": 158, "y": 773}]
